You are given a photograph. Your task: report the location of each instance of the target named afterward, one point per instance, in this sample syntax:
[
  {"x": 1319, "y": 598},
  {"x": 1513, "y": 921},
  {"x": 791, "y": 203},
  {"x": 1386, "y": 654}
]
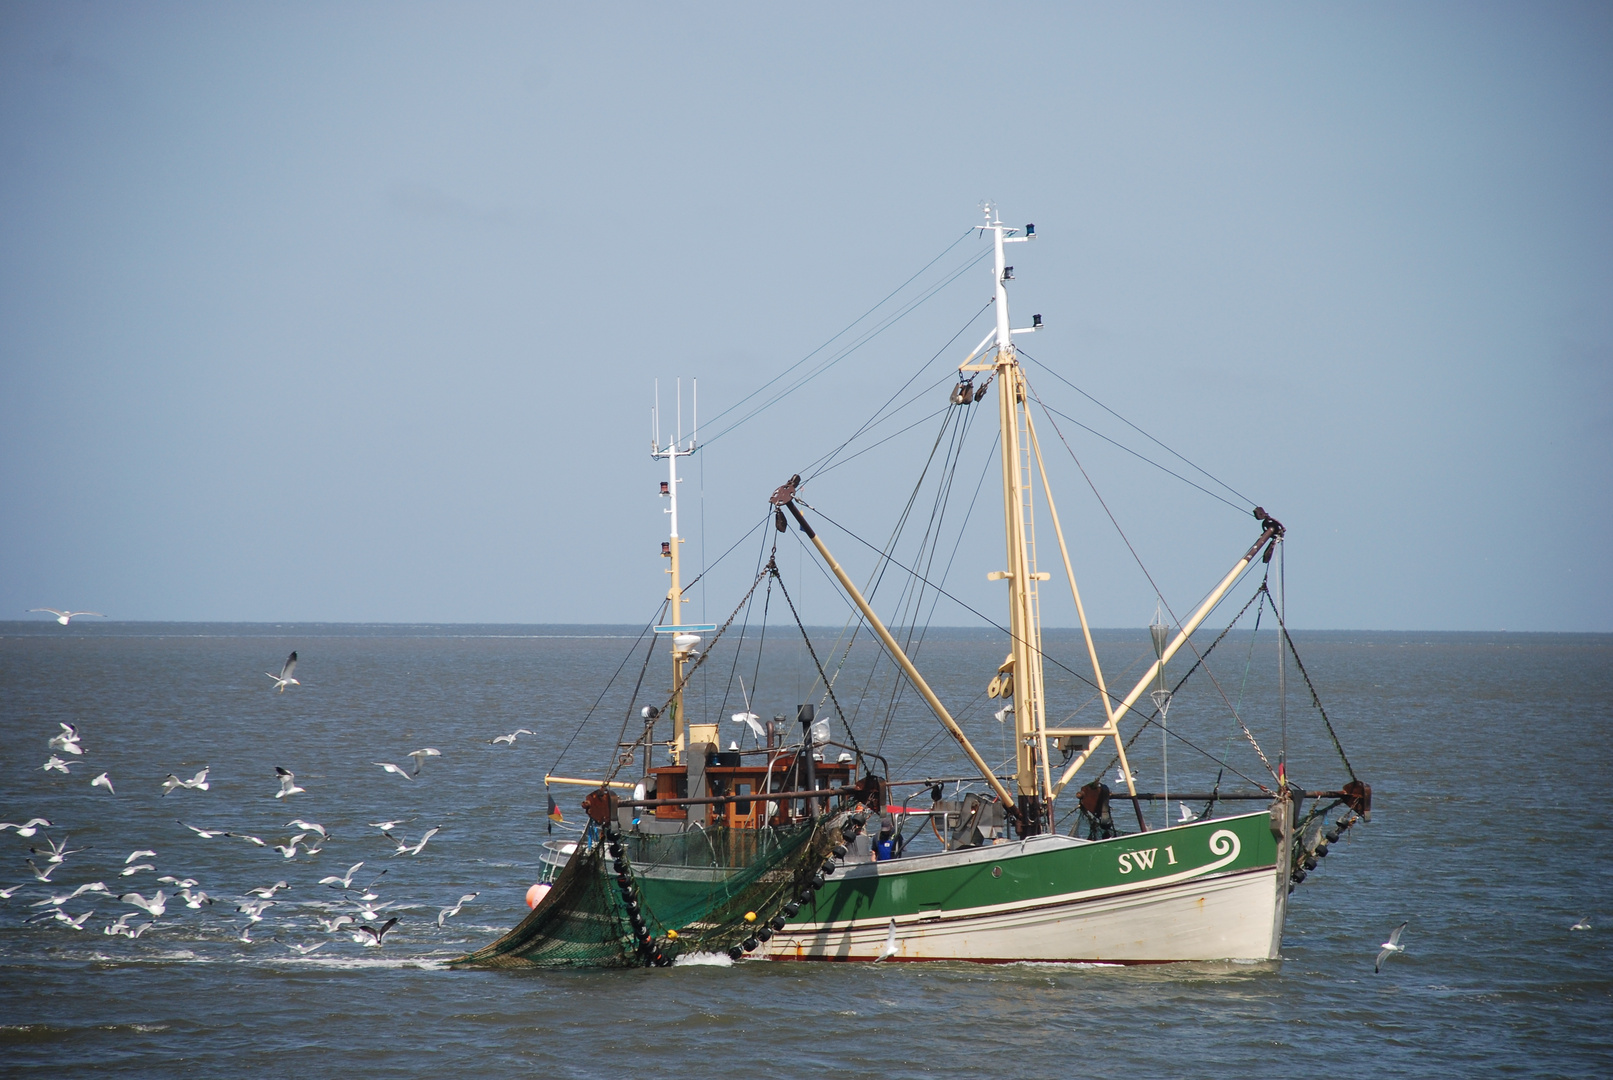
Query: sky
[{"x": 355, "y": 312}]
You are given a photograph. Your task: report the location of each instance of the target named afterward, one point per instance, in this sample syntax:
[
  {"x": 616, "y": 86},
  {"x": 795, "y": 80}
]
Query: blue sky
[{"x": 352, "y": 312}]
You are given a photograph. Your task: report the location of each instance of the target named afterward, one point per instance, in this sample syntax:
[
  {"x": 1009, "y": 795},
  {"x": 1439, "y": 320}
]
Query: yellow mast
[
  {"x": 1023, "y": 669},
  {"x": 684, "y": 638}
]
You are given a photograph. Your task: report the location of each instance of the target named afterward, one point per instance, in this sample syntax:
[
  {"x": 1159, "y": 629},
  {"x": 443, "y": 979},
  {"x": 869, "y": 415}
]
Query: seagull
[
  {"x": 405, "y": 849},
  {"x": 288, "y": 783},
  {"x": 368, "y": 913},
  {"x": 388, "y": 826},
  {"x": 289, "y": 849},
  {"x": 754, "y": 722},
  {"x": 391, "y": 768},
  {"x": 333, "y": 925},
  {"x": 450, "y": 912},
  {"x": 250, "y": 839},
  {"x": 179, "y": 883},
  {"x": 58, "y": 852},
  {"x": 55, "y": 763},
  {"x": 284, "y": 679},
  {"x": 205, "y": 834},
  {"x": 345, "y": 882},
  {"x": 421, "y": 755},
  {"x": 308, "y": 827},
  {"x": 304, "y": 950},
  {"x": 246, "y": 934},
  {"x": 888, "y": 950},
  {"x": 1390, "y": 947},
  {"x": 119, "y": 927},
  {"x": 64, "y": 617},
  {"x": 267, "y": 891},
  {"x": 153, "y": 907},
  {"x": 42, "y": 875},
  {"x": 1120, "y": 776},
  {"x": 130, "y": 871},
  {"x": 28, "y": 828},
  {"x": 254, "y": 909},
  {"x": 142, "y": 928},
  {"x": 76, "y": 923},
  {"x": 510, "y": 738},
  {"x": 194, "y": 900},
  {"x": 371, "y": 936},
  {"x": 5, "y": 894},
  {"x": 94, "y": 886},
  {"x": 369, "y": 890},
  {"x": 133, "y": 855},
  {"x": 195, "y": 783},
  {"x": 67, "y": 741},
  {"x": 1583, "y": 924},
  {"x": 1187, "y": 815}
]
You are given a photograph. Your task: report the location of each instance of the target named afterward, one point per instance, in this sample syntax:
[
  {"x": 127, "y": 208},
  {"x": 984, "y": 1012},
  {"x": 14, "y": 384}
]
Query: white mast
[{"x": 683, "y": 641}]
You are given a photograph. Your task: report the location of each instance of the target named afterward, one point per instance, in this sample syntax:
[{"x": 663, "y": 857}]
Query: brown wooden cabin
[{"x": 742, "y": 772}]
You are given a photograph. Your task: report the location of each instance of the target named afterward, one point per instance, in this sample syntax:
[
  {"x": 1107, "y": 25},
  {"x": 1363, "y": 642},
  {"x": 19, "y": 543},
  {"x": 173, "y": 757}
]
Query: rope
[
  {"x": 807, "y": 638},
  {"x": 615, "y": 768},
  {"x": 1141, "y": 432},
  {"x": 1315, "y": 699},
  {"x": 609, "y": 683}
]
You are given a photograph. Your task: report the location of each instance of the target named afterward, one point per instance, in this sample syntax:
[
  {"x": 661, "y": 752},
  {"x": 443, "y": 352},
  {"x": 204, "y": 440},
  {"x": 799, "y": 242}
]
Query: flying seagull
[
  {"x": 67, "y": 741},
  {"x": 284, "y": 679},
  {"x": 288, "y": 783},
  {"x": 58, "y": 852},
  {"x": 55, "y": 763},
  {"x": 346, "y": 881},
  {"x": 64, "y": 617},
  {"x": 142, "y": 853},
  {"x": 205, "y": 834},
  {"x": 42, "y": 875},
  {"x": 388, "y": 826},
  {"x": 153, "y": 907},
  {"x": 267, "y": 891},
  {"x": 403, "y": 845},
  {"x": 1583, "y": 924},
  {"x": 888, "y": 950},
  {"x": 253, "y": 840},
  {"x": 27, "y": 828},
  {"x": 195, "y": 900},
  {"x": 195, "y": 783},
  {"x": 391, "y": 768},
  {"x": 308, "y": 826},
  {"x": 5, "y": 894},
  {"x": 179, "y": 883},
  {"x": 1390, "y": 947},
  {"x": 289, "y": 849},
  {"x": 371, "y": 936},
  {"x": 1187, "y": 815},
  {"x": 104, "y": 780},
  {"x": 421, "y": 755},
  {"x": 510, "y": 738},
  {"x": 450, "y": 912},
  {"x": 335, "y": 924},
  {"x": 77, "y": 923},
  {"x": 130, "y": 871},
  {"x": 304, "y": 950},
  {"x": 254, "y": 909}
]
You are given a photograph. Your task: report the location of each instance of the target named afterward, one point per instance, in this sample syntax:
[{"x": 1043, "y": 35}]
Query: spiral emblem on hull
[{"x": 1225, "y": 842}]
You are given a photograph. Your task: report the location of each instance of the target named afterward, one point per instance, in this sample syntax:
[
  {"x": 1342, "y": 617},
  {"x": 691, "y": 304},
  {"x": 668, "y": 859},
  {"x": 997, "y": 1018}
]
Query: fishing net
[{"x": 664, "y": 895}]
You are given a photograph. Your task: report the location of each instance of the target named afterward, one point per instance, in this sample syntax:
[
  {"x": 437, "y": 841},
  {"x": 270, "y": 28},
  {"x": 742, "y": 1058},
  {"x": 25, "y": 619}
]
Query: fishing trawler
[{"x": 794, "y": 849}]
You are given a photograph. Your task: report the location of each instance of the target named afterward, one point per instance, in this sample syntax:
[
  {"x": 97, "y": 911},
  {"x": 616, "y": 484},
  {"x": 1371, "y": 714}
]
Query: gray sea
[{"x": 1488, "y": 755}]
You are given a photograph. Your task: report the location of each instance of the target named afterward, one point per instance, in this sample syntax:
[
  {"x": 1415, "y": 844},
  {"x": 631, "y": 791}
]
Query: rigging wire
[
  {"x": 1250, "y": 502},
  {"x": 1187, "y": 639},
  {"x": 843, "y": 331},
  {"x": 822, "y": 464},
  {"x": 836, "y": 358},
  {"x": 608, "y": 684}
]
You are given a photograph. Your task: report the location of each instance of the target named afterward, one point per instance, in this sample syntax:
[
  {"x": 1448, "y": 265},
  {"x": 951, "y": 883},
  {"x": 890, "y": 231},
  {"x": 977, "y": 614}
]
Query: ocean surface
[{"x": 1488, "y": 755}]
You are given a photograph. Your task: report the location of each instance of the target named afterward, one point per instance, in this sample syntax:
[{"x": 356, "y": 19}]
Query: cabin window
[{"x": 744, "y": 804}]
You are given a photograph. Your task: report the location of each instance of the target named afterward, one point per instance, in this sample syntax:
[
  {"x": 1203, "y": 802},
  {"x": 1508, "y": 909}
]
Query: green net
[{"x": 690, "y": 892}]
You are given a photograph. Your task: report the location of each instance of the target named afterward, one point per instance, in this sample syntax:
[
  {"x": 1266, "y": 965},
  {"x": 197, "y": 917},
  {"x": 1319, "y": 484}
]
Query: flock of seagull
[{"x": 359, "y": 913}]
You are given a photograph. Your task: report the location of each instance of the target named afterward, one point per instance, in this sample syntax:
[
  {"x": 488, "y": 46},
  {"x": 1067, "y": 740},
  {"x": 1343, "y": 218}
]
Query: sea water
[{"x": 1488, "y": 755}]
